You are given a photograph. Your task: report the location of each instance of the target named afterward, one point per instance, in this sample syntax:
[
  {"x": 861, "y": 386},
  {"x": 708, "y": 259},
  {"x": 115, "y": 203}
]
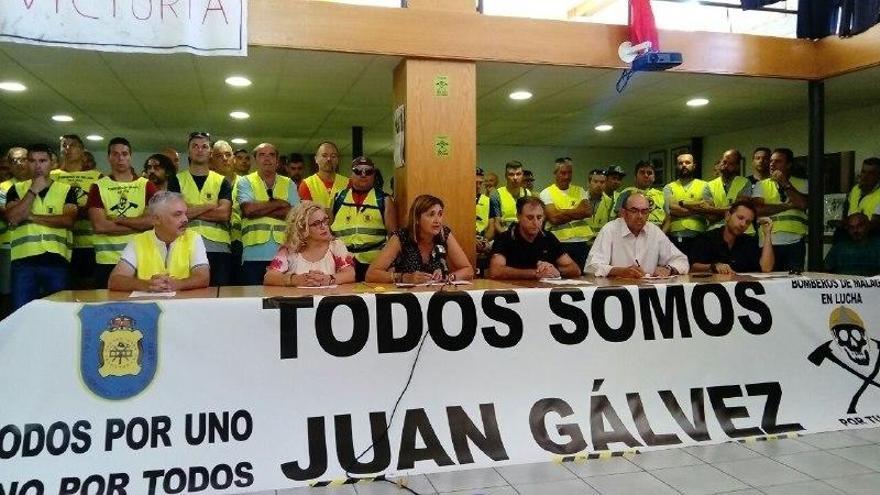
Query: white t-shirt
[{"x": 197, "y": 256}]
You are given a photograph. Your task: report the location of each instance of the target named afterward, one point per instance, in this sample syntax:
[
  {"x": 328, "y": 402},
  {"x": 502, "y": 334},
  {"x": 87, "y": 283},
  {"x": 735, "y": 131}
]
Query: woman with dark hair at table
[
  {"x": 310, "y": 255},
  {"x": 423, "y": 251}
]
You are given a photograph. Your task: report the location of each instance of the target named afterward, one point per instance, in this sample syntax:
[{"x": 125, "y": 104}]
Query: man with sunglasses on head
[
  {"x": 633, "y": 247},
  {"x": 363, "y": 215},
  {"x": 323, "y": 186},
  {"x": 265, "y": 198},
  {"x": 117, "y": 208},
  {"x": 208, "y": 197}
]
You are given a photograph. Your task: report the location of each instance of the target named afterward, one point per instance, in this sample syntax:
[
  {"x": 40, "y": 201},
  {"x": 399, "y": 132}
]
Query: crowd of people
[{"x": 216, "y": 222}]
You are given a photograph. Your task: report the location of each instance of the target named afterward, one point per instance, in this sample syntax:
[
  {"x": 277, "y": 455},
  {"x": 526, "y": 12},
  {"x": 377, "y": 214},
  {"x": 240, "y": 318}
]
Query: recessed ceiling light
[
  {"x": 604, "y": 127},
  {"x": 12, "y": 86},
  {"x": 697, "y": 102},
  {"x": 94, "y": 137},
  {"x": 238, "y": 141},
  {"x": 520, "y": 95},
  {"x": 62, "y": 118},
  {"x": 238, "y": 114},
  {"x": 238, "y": 81}
]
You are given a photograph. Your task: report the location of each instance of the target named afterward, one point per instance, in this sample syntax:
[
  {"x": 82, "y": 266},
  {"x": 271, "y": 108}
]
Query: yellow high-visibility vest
[
  {"x": 360, "y": 227},
  {"x": 209, "y": 195},
  {"x": 149, "y": 259},
  {"x": 32, "y": 239},
  {"x": 482, "y": 214},
  {"x": 793, "y": 221},
  {"x": 567, "y": 200},
  {"x": 83, "y": 235},
  {"x": 723, "y": 199},
  {"x": 256, "y": 231},
  {"x": 601, "y": 215},
  {"x": 4, "y": 227},
  {"x": 121, "y": 199},
  {"x": 508, "y": 204},
  {"x": 693, "y": 194},
  {"x": 865, "y": 204},
  {"x": 319, "y": 191},
  {"x": 655, "y": 196}
]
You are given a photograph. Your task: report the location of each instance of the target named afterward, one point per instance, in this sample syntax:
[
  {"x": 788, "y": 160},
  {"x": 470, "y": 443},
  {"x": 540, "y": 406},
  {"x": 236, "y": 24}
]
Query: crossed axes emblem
[{"x": 123, "y": 206}]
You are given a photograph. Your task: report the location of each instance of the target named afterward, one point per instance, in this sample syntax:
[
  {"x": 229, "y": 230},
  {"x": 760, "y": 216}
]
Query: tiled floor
[{"x": 824, "y": 463}]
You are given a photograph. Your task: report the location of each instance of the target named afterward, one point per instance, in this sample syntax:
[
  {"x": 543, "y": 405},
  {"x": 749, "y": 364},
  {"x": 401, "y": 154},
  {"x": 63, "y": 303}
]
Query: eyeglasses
[
  {"x": 639, "y": 211},
  {"x": 324, "y": 222},
  {"x": 363, "y": 172}
]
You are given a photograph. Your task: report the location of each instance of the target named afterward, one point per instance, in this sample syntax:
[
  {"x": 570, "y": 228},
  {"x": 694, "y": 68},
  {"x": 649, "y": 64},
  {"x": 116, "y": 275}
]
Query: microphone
[{"x": 439, "y": 255}]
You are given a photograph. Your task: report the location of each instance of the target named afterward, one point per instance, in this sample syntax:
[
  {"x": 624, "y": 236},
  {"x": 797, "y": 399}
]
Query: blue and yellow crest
[{"x": 120, "y": 347}]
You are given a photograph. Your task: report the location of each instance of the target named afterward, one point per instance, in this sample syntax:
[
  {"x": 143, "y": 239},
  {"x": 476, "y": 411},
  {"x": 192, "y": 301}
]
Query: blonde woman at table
[
  {"x": 310, "y": 255},
  {"x": 422, "y": 252}
]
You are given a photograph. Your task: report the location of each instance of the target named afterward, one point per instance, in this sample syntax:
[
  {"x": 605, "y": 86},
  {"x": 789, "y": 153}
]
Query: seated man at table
[
  {"x": 857, "y": 253},
  {"x": 167, "y": 258},
  {"x": 525, "y": 251},
  {"x": 729, "y": 250},
  {"x": 631, "y": 247}
]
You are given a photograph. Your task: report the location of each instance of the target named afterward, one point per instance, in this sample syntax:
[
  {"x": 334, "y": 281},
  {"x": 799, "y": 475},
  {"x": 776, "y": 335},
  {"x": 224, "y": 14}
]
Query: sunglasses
[
  {"x": 324, "y": 222},
  {"x": 363, "y": 172},
  {"x": 198, "y": 134}
]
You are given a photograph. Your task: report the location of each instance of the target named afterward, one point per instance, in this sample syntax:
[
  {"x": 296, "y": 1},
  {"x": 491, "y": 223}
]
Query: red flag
[{"x": 641, "y": 24}]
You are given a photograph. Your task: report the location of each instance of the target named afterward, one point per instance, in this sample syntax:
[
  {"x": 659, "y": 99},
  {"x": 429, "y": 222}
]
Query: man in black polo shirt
[
  {"x": 525, "y": 251},
  {"x": 729, "y": 250}
]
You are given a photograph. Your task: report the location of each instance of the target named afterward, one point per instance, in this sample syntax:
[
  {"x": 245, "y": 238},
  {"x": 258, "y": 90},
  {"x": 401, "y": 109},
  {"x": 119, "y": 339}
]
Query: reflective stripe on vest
[
  {"x": 867, "y": 204},
  {"x": 482, "y": 214},
  {"x": 793, "y": 221},
  {"x": 508, "y": 204},
  {"x": 121, "y": 199},
  {"x": 723, "y": 199},
  {"x": 256, "y": 231},
  {"x": 32, "y": 239},
  {"x": 83, "y": 235},
  {"x": 693, "y": 194},
  {"x": 149, "y": 259},
  {"x": 319, "y": 191},
  {"x": 209, "y": 195},
  {"x": 360, "y": 228},
  {"x": 567, "y": 200}
]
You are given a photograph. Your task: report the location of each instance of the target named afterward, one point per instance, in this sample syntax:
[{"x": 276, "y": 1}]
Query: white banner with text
[
  {"x": 239, "y": 395},
  {"x": 202, "y": 27}
]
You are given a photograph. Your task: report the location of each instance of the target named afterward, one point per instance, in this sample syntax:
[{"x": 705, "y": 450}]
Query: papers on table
[
  {"x": 565, "y": 281},
  {"x": 435, "y": 282},
  {"x": 140, "y": 293}
]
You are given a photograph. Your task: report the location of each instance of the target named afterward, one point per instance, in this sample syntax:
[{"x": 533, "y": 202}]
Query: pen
[{"x": 637, "y": 264}]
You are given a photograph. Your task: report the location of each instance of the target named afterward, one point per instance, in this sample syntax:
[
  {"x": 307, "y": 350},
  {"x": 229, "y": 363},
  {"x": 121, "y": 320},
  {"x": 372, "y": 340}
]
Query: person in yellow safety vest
[
  {"x": 686, "y": 190},
  {"x": 614, "y": 175},
  {"x": 208, "y": 196},
  {"x": 568, "y": 211},
  {"x": 644, "y": 179},
  {"x": 503, "y": 201},
  {"x": 325, "y": 184},
  {"x": 41, "y": 213},
  {"x": 721, "y": 192},
  {"x": 222, "y": 159},
  {"x": 21, "y": 171},
  {"x": 73, "y": 172},
  {"x": 784, "y": 199},
  {"x": 265, "y": 198},
  {"x": 600, "y": 201},
  {"x": 159, "y": 169},
  {"x": 117, "y": 208},
  {"x": 865, "y": 196},
  {"x": 363, "y": 216},
  {"x": 484, "y": 234},
  {"x": 167, "y": 258}
]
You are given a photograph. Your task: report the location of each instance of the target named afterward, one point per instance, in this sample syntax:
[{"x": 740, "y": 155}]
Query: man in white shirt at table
[{"x": 632, "y": 247}]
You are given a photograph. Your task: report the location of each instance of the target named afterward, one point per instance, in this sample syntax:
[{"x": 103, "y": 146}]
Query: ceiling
[{"x": 299, "y": 98}]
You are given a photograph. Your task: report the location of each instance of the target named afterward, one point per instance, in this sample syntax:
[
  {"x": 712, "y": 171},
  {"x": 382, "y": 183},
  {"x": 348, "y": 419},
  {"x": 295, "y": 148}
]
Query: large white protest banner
[
  {"x": 237, "y": 395},
  {"x": 202, "y": 27}
]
